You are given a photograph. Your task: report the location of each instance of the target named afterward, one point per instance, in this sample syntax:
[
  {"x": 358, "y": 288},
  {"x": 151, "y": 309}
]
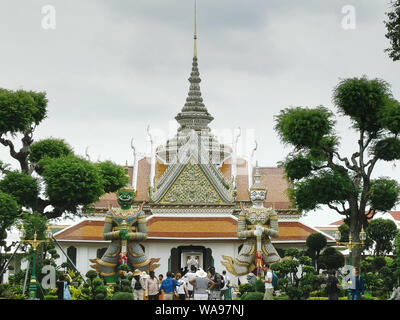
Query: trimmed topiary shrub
[
  {"x": 122, "y": 296},
  {"x": 253, "y": 296},
  {"x": 247, "y": 287},
  {"x": 259, "y": 286}
]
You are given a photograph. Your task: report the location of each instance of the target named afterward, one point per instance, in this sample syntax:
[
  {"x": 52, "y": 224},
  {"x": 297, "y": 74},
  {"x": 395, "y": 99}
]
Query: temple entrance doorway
[{"x": 185, "y": 256}]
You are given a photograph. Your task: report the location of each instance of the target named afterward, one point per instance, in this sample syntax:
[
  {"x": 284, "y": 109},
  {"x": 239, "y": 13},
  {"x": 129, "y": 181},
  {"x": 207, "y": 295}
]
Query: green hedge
[
  {"x": 253, "y": 296},
  {"x": 122, "y": 296},
  {"x": 325, "y": 298},
  {"x": 281, "y": 298}
]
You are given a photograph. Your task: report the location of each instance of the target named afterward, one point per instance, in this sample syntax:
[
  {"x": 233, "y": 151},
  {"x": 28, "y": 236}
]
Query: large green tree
[
  {"x": 51, "y": 179},
  {"x": 321, "y": 175},
  {"x": 393, "y": 30}
]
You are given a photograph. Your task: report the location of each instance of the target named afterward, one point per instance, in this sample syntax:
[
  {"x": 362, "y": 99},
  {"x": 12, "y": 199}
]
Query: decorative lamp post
[
  {"x": 34, "y": 243},
  {"x": 350, "y": 245}
]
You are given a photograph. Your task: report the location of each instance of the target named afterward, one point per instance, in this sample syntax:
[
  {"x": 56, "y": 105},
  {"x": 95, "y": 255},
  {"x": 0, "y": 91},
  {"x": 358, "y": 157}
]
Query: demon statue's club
[
  {"x": 256, "y": 224},
  {"x": 125, "y": 227}
]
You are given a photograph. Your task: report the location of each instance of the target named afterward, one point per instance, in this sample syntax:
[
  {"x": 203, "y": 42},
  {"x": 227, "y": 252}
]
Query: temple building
[{"x": 192, "y": 188}]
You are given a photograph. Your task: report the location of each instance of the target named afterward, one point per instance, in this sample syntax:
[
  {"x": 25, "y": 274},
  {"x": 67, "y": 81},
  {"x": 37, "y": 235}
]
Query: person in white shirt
[
  {"x": 269, "y": 289},
  {"x": 189, "y": 276},
  {"x": 224, "y": 289}
]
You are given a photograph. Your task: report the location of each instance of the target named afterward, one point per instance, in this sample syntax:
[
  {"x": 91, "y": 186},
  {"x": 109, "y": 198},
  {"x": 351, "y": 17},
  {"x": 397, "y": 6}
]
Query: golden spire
[{"x": 195, "y": 29}]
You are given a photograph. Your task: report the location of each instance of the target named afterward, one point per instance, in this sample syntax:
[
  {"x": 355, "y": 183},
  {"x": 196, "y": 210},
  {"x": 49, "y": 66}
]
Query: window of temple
[{"x": 71, "y": 253}]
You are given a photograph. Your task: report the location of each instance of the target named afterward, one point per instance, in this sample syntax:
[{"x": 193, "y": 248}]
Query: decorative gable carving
[
  {"x": 192, "y": 187},
  {"x": 192, "y": 175}
]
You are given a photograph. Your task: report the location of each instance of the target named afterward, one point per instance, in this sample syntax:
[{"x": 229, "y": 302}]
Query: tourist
[
  {"x": 332, "y": 286},
  {"x": 182, "y": 288},
  {"x": 168, "y": 286},
  {"x": 201, "y": 284},
  {"x": 215, "y": 290},
  {"x": 63, "y": 292},
  {"x": 269, "y": 289},
  {"x": 189, "y": 276},
  {"x": 152, "y": 287},
  {"x": 224, "y": 289},
  {"x": 144, "y": 276},
  {"x": 160, "y": 292},
  {"x": 357, "y": 286},
  {"x": 137, "y": 285}
]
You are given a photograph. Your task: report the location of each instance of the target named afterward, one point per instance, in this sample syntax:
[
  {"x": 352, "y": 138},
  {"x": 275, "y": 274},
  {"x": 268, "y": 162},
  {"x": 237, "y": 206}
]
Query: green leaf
[
  {"x": 387, "y": 149},
  {"x": 71, "y": 181},
  {"x": 304, "y": 127},
  {"x": 362, "y": 100},
  {"x": 19, "y": 110},
  {"x": 114, "y": 177},
  {"x": 384, "y": 194},
  {"x": 50, "y": 148},
  {"x": 22, "y": 187}
]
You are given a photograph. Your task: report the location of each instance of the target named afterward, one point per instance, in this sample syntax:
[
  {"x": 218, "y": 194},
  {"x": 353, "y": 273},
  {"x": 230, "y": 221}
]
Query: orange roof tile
[
  {"x": 185, "y": 227},
  {"x": 395, "y": 215},
  {"x": 337, "y": 223},
  {"x": 272, "y": 178},
  {"x": 143, "y": 180},
  {"x": 242, "y": 181}
]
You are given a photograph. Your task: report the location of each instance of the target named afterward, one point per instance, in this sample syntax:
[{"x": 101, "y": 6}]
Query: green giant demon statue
[
  {"x": 256, "y": 224},
  {"x": 125, "y": 227}
]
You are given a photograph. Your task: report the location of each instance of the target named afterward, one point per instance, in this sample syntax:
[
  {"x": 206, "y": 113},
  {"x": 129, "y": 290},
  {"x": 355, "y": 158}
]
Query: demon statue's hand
[
  {"x": 259, "y": 231},
  {"x": 124, "y": 234}
]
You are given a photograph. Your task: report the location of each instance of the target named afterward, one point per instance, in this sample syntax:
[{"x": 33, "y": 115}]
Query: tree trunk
[{"x": 355, "y": 229}]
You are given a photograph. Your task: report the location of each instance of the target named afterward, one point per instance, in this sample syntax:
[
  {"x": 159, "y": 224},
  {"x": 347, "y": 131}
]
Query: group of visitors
[
  {"x": 193, "y": 284},
  {"x": 356, "y": 286}
]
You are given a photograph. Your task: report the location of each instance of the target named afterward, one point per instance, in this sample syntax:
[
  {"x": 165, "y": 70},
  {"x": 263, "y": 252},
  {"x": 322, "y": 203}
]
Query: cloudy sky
[{"x": 110, "y": 68}]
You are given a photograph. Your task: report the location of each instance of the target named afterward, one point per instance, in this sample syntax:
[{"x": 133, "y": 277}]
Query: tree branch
[
  {"x": 371, "y": 213},
  {"x": 343, "y": 213},
  {"x": 346, "y": 161},
  {"x": 10, "y": 145},
  {"x": 55, "y": 213}
]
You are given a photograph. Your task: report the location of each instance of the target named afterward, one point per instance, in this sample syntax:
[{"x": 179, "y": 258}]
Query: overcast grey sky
[{"x": 110, "y": 68}]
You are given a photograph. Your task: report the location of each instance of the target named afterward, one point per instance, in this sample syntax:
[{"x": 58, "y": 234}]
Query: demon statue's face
[
  {"x": 125, "y": 198},
  {"x": 258, "y": 195}
]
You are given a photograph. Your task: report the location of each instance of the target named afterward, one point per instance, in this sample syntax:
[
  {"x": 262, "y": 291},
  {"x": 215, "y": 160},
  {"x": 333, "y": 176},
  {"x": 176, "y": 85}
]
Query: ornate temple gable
[
  {"x": 193, "y": 179},
  {"x": 192, "y": 187}
]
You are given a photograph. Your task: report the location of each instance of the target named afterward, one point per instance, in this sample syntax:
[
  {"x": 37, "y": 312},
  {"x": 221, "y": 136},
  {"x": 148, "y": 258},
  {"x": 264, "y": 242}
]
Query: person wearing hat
[
  {"x": 144, "y": 276},
  {"x": 137, "y": 285},
  {"x": 201, "y": 284}
]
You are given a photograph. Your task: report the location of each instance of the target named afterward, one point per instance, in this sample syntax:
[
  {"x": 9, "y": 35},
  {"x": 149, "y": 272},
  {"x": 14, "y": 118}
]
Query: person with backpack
[
  {"x": 137, "y": 285},
  {"x": 215, "y": 291},
  {"x": 224, "y": 288},
  {"x": 269, "y": 288},
  {"x": 332, "y": 286}
]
